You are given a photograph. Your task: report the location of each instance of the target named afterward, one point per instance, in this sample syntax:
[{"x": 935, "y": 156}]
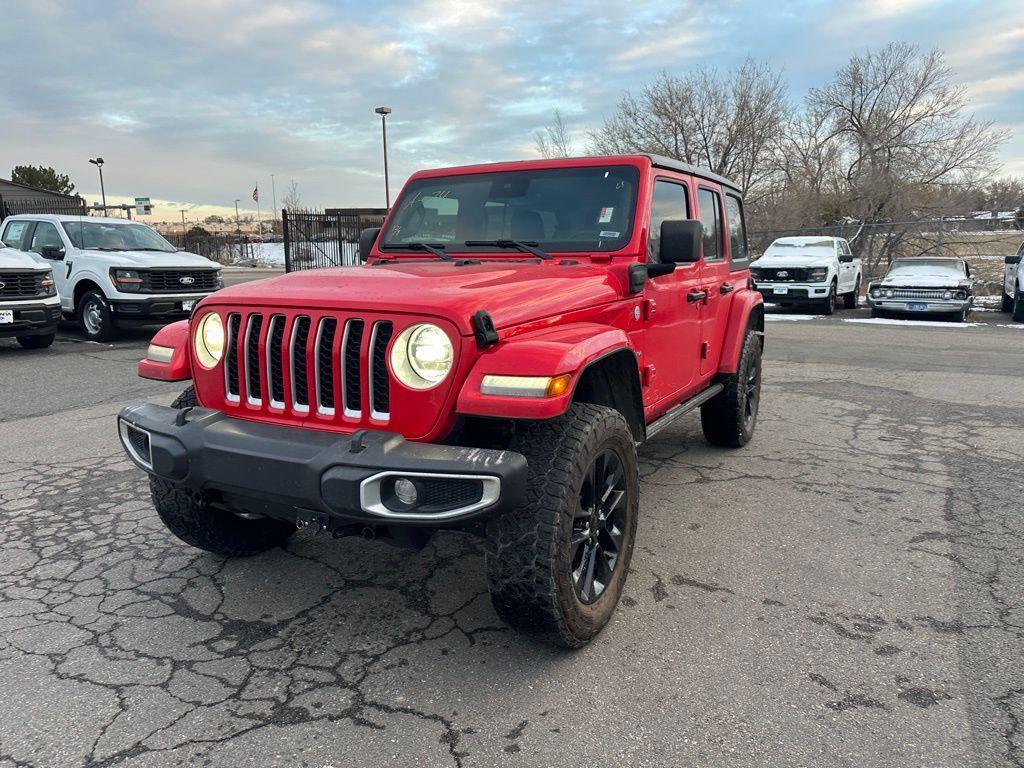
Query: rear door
[
  {"x": 847, "y": 267},
  {"x": 672, "y": 331},
  {"x": 714, "y": 277}
]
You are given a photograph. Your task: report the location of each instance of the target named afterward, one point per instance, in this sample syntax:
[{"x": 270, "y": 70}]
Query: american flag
[{"x": 256, "y": 193}]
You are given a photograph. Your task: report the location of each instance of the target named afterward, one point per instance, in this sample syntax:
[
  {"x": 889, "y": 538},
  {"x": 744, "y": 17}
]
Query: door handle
[
  {"x": 727, "y": 288},
  {"x": 695, "y": 296}
]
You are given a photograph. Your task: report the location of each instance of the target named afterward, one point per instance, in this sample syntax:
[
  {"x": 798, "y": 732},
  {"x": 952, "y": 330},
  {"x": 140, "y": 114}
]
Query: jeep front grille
[{"x": 309, "y": 364}]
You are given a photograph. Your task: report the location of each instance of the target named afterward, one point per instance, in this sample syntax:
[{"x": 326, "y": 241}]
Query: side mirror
[
  {"x": 52, "y": 252},
  {"x": 1015, "y": 259},
  {"x": 846, "y": 258},
  {"x": 681, "y": 241},
  {"x": 366, "y": 240}
]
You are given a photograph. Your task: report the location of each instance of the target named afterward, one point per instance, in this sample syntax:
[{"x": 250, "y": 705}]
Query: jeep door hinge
[
  {"x": 705, "y": 350},
  {"x": 647, "y": 375}
]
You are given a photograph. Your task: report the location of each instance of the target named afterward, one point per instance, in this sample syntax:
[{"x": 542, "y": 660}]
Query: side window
[
  {"x": 14, "y": 233},
  {"x": 737, "y": 229},
  {"x": 45, "y": 234},
  {"x": 846, "y": 248},
  {"x": 668, "y": 203},
  {"x": 711, "y": 218}
]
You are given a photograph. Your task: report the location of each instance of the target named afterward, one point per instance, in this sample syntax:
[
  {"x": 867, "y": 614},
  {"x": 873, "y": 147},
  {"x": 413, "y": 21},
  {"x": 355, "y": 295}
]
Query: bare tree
[
  {"x": 292, "y": 200},
  {"x": 554, "y": 140},
  {"x": 732, "y": 123}
]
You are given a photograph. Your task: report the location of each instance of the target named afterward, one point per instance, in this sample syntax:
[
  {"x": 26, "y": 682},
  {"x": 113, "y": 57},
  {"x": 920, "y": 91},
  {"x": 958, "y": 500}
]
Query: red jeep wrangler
[{"x": 515, "y": 331}]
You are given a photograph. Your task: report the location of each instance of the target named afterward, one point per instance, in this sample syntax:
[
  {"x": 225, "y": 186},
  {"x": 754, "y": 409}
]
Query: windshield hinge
[{"x": 484, "y": 330}]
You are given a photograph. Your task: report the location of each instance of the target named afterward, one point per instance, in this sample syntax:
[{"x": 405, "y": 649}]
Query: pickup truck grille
[
  {"x": 178, "y": 280},
  {"x": 302, "y": 364},
  {"x": 781, "y": 274},
  {"x": 21, "y": 285},
  {"x": 920, "y": 293}
]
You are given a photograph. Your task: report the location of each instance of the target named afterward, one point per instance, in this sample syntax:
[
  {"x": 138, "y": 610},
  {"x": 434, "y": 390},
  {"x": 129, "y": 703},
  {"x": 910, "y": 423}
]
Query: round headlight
[
  {"x": 422, "y": 356},
  {"x": 209, "y": 340},
  {"x": 947, "y": 295},
  {"x": 887, "y": 293}
]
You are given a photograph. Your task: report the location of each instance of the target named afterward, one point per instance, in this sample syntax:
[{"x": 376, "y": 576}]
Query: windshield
[
  {"x": 114, "y": 236},
  {"x": 927, "y": 267},
  {"x": 559, "y": 209}
]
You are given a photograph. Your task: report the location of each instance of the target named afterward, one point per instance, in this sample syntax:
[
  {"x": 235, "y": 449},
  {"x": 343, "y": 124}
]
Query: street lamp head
[
  {"x": 383, "y": 110},
  {"x": 97, "y": 161}
]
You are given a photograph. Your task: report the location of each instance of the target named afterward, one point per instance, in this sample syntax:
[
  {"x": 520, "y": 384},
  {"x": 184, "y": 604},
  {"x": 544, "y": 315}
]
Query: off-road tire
[
  {"x": 529, "y": 566},
  {"x": 95, "y": 319},
  {"x": 852, "y": 300},
  {"x": 1007, "y": 305},
  {"x": 37, "y": 342},
  {"x": 828, "y": 306},
  {"x": 212, "y": 528},
  {"x": 1018, "y": 307},
  {"x": 725, "y": 418}
]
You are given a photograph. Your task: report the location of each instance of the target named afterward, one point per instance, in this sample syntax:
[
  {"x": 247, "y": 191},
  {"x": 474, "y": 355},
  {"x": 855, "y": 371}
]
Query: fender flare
[
  {"x": 747, "y": 307},
  {"x": 568, "y": 349},
  {"x": 174, "y": 336}
]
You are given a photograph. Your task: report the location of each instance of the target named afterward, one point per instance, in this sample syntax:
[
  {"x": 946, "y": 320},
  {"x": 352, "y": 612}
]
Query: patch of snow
[
  {"x": 1010, "y": 325},
  {"x": 896, "y": 321},
  {"x": 792, "y": 317}
]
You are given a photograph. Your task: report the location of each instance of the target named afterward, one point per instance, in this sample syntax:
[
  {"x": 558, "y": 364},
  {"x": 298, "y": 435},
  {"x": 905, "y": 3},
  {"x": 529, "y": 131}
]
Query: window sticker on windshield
[
  {"x": 607, "y": 233},
  {"x": 605, "y": 216}
]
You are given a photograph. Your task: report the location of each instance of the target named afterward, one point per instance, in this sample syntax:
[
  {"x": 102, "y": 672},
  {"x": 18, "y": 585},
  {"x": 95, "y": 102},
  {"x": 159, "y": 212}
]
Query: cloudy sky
[{"x": 193, "y": 102}]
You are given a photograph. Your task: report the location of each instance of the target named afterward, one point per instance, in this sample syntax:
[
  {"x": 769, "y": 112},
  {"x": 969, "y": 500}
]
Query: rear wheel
[
  {"x": 851, "y": 300},
  {"x": 729, "y": 418},
  {"x": 37, "y": 342},
  {"x": 95, "y": 318},
  {"x": 556, "y": 566},
  {"x": 213, "y": 529}
]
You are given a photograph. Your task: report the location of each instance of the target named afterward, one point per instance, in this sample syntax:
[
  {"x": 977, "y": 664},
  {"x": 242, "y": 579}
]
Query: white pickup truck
[
  {"x": 809, "y": 271},
  {"x": 29, "y": 306},
  {"x": 1013, "y": 285},
  {"x": 111, "y": 272}
]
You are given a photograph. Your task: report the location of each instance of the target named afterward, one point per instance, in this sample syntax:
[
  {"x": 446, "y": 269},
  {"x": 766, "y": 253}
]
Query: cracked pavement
[{"x": 846, "y": 591}]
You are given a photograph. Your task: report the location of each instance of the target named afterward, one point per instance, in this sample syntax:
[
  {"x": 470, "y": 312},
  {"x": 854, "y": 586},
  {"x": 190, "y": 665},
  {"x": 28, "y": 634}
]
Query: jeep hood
[
  {"x": 511, "y": 292},
  {"x": 152, "y": 259},
  {"x": 783, "y": 260}
]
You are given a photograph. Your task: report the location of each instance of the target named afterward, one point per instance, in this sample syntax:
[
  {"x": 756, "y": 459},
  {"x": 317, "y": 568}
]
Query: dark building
[{"x": 20, "y": 198}]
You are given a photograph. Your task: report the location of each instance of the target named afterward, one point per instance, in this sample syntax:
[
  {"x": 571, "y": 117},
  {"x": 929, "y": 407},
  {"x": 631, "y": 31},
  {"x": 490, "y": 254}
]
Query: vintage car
[{"x": 932, "y": 286}]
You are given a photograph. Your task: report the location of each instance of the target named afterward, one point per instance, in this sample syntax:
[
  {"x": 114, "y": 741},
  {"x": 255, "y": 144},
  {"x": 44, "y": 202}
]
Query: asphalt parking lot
[{"x": 848, "y": 590}]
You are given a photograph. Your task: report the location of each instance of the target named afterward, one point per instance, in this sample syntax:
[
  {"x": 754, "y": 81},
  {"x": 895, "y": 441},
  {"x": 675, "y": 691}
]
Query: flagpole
[{"x": 259, "y": 221}]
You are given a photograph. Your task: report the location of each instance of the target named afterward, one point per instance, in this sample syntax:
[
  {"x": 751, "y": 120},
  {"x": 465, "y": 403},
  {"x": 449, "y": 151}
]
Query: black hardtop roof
[{"x": 660, "y": 161}]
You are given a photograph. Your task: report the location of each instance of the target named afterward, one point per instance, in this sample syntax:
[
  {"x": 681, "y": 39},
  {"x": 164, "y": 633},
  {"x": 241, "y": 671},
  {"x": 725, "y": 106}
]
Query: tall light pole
[
  {"x": 238, "y": 229},
  {"x": 384, "y": 112},
  {"x": 98, "y": 162},
  {"x": 184, "y": 232}
]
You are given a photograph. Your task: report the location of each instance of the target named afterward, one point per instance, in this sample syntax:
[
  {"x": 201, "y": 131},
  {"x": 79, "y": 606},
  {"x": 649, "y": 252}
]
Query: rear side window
[
  {"x": 737, "y": 229},
  {"x": 711, "y": 218},
  {"x": 14, "y": 233},
  {"x": 45, "y": 234},
  {"x": 668, "y": 203}
]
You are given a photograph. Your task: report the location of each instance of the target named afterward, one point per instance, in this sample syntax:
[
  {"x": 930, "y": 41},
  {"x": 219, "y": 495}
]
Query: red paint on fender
[
  {"x": 743, "y": 304},
  {"x": 179, "y": 368}
]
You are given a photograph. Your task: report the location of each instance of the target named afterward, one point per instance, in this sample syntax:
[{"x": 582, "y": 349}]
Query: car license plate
[
  {"x": 917, "y": 306},
  {"x": 187, "y": 306},
  {"x": 6, "y": 316},
  {"x": 780, "y": 290}
]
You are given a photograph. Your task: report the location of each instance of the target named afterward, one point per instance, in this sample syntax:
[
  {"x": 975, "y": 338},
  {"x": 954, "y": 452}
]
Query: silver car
[{"x": 924, "y": 286}]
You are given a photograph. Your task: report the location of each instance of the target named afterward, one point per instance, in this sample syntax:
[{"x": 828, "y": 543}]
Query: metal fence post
[{"x": 287, "y": 241}]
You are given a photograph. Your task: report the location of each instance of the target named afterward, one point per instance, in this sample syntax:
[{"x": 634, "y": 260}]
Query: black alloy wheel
[
  {"x": 752, "y": 397},
  {"x": 598, "y": 527}
]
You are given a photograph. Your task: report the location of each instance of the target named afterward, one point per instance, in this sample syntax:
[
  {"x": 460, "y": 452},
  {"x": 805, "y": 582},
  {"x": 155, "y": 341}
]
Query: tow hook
[{"x": 311, "y": 520}]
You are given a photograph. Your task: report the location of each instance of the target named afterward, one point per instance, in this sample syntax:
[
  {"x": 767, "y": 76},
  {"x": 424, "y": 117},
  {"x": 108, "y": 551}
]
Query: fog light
[{"x": 405, "y": 491}]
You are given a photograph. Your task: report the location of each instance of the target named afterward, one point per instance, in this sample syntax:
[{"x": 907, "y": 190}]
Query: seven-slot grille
[
  {"x": 309, "y": 364},
  {"x": 178, "y": 280},
  {"x": 920, "y": 293},
  {"x": 21, "y": 285}
]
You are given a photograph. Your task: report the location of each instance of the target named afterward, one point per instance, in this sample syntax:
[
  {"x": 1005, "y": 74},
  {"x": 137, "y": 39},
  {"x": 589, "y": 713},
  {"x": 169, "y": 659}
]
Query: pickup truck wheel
[
  {"x": 211, "y": 528},
  {"x": 851, "y": 300},
  {"x": 1007, "y": 305},
  {"x": 95, "y": 318},
  {"x": 37, "y": 342},
  {"x": 557, "y": 564},
  {"x": 828, "y": 306},
  {"x": 729, "y": 418},
  {"x": 1018, "y": 307}
]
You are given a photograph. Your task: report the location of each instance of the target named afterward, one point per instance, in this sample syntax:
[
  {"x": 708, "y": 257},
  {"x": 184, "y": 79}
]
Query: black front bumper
[
  {"x": 31, "y": 319},
  {"x": 148, "y": 309},
  {"x": 303, "y": 475}
]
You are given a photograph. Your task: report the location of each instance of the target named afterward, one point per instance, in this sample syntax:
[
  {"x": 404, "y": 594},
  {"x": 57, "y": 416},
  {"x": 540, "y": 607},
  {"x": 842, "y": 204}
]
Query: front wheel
[
  {"x": 1018, "y": 307},
  {"x": 556, "y": 566},
  {"x": 851, "y": 300},
  {"x": 828, "y": 307},
  {"x": 37, "y": 342},
  {"x": 729, "y": 418},
  {"x": 95, "y": 318},
  {"x": 1007, "y": 305}
]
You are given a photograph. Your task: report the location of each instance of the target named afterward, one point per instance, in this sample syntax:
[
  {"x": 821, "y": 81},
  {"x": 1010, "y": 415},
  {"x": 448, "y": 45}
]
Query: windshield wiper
[
  {"x": 437, "y": 249},
  {"x": 526, "y": 246}
]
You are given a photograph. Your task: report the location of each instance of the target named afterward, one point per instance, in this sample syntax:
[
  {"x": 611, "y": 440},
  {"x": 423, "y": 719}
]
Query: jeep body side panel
[
  {"x": 179, "y": 368},
  {"x": 745, "y": 304},
  {"x": 564, "y": 349}
]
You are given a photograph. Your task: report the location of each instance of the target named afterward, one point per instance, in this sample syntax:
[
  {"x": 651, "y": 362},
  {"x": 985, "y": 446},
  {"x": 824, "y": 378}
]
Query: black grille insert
[
  {"x": 300, "y": 380},
  {"x": 324, "y": 369},
  {"x": 252, "y": 357},
  {"x": 21, "y": 285},
  {"x": 275, "y": 341},
  {"x": 350, "y": 358},
  {"x": 178, "y": 280},
  {"x": 231, "y": 355},
  {"x": 380, "y": 382}
]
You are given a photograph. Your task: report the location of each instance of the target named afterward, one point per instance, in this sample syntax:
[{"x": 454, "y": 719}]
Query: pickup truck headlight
[
  {"x": 47, "y": 284},
  {"x": 126, "y": 280},
  {"x": 818, "y": 274},
  {"x": 209, "y": 340},
  {"x": 422, "y": 356}
]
